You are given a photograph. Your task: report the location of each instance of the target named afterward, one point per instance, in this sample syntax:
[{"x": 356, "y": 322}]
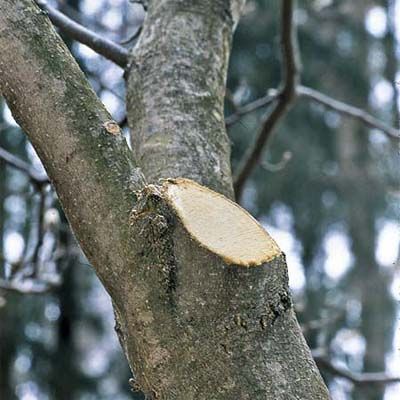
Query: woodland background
[{"x": 327, "y": 190}]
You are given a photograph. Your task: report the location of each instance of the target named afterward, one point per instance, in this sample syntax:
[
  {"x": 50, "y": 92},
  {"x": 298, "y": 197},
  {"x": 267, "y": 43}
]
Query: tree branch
[
  {"x": 290, "y": 58},
  {"x": 266, "y": 100},
  {"x": 348, "y": 110},
  {"x": 167, "y": 130},
  {"x": 318, "y": 97},
  {"x": 366, "y": 378},
  {"x": 23, "y": 166},
  {"x": 100, "y": 45},
  {"x": 285, "y": 97},
  {"x": 82, "y": 149}
]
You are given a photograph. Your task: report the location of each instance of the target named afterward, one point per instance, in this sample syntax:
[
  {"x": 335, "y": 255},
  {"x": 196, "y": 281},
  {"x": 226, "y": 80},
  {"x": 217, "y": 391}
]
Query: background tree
[{"x": 335, "y": 158}]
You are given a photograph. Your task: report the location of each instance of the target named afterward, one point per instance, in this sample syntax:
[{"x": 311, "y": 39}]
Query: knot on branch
[{"x": 112, "y": 128}]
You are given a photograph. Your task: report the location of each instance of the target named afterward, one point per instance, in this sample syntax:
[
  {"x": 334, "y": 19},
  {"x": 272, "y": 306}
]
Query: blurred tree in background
[{"x": 327, "y": 188}]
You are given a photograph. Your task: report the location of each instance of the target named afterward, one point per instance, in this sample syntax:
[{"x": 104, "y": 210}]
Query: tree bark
[
  {"x": 176, "y": 90},
  {"x": 198, "y": 318},
  {"x": 210, "y": 325},
  {"x": 86, "y": 157}
]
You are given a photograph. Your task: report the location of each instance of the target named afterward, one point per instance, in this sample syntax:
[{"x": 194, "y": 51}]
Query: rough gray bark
[
  {"x": 208, "y": 329},
  {"x": 192, "y": 325},
  {"x": 92, "y": 169},
  {"x": 176, "y": 91}
]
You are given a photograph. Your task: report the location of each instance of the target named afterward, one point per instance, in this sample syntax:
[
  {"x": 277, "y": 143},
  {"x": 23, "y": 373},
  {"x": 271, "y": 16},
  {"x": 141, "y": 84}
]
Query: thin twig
[
  {"x": 101, "y": 45},
  {"x": 366, "y": 378},
  {"x": 250, "y": 107},
  {"x": 327, "y": 101},
  {"x": 286, "y": 96},
  {"x": 347, "y": 109},
  {"x": 36, "y": 177}
]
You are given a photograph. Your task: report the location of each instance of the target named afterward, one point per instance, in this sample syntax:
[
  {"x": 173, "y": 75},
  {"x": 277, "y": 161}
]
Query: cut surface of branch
[
  {"x": 220, "y": 225},
  {"x": 205, "y": 325}
]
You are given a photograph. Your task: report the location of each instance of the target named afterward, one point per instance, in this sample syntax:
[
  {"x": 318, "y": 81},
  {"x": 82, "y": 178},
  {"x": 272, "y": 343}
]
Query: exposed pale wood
[
  {"x": 207, "y": 329},
  {"x": 220, "y": 225}
]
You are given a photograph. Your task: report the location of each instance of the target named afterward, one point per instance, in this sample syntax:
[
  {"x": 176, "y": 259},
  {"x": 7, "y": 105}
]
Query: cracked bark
[{"x": 193, "y": 323}]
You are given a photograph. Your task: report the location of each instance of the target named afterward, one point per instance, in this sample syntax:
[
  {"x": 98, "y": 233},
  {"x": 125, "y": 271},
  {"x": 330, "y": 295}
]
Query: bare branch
[
  {"x": 266, "y": 100},
  {"x": 366, "y": 378},
  {"x": 286, "y": 96},
  {"x": 347, "y": 109},
  {"x": 36, "y": 177},
  {"x": 101, "y": 45},
  {"x": 86, "y": 156},
  {"x": 318, "y": 97}
]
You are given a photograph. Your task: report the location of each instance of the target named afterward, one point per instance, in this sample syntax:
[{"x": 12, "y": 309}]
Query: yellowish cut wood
[{"x": 219, "y": 224}]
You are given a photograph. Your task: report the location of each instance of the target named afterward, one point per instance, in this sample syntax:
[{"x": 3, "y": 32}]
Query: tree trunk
[{"x": 199, "y": 289}]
